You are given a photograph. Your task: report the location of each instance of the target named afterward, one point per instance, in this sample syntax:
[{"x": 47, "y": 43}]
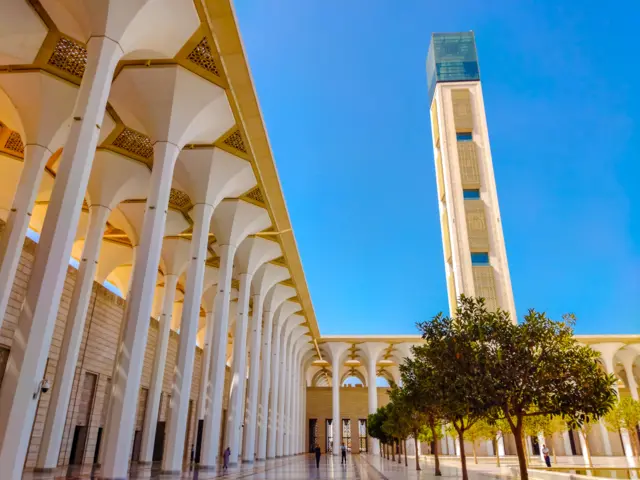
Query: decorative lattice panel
[
  {"x": 14, "y": 143},
  {"x": 235, "y": 140},
  {"x": 476, "y": 225},
  {"x": 255, "y": 195},
  {"x": 485, "y": 286},
  {"x": 69, "y": 56},
  {"x": 179, "y": 199},
  {"x": 462, "y": 113},
  {"x": 134, "y": 142},
  {"x": 468, "y": 158},
  {"x": 202, "y": 56}
]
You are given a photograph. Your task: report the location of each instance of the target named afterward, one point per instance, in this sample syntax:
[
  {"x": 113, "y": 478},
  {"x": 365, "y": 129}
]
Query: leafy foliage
[
  {"x": 625, "y": 415},
  {"x": 541, "y": 370}
]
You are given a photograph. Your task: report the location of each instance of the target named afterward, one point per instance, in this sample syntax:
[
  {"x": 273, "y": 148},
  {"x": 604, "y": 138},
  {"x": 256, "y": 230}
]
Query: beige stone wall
[
  {"x": 97, "y": 354},
  {"x": 354, "y": 404}
]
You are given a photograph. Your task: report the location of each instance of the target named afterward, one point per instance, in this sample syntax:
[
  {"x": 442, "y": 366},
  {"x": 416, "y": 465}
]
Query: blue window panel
[
  {"x": 479, "y": 258},
  {"x": 473, "y": 194},
  {"x": 464, "y": 137},
  {"x": 452, "y": 57}
]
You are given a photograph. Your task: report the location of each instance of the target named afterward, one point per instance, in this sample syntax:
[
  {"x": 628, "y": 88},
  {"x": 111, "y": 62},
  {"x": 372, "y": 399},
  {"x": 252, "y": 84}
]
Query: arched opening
[
  {"x": 352, "y": 381},
  {"x": 382, "y": 382}
]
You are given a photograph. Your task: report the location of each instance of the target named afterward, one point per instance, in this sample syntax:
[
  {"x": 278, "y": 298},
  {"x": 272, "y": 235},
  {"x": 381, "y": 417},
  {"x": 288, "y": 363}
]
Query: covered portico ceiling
[{"x": 213, "y": 51}]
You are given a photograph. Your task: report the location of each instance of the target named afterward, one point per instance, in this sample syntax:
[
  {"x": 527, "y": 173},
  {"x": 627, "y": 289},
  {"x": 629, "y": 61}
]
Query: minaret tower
[{"x": 475, "y": 256}]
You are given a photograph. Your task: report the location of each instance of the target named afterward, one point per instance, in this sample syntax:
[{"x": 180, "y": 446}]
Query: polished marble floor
[{"x": 362, "y": 467}]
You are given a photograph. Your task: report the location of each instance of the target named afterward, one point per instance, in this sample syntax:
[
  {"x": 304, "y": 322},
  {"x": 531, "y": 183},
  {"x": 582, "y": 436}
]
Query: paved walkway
[{"x": 360, "y": 467}]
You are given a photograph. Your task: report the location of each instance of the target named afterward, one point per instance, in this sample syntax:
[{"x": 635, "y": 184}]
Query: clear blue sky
[{"x": 343, "y": 91}]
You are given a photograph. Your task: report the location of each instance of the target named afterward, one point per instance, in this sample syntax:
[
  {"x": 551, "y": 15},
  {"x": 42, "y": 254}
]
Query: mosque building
[{"x": 132, "y": 142}]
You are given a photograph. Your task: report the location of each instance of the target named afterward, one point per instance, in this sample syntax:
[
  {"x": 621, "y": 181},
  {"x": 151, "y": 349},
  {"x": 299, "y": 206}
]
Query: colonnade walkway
[{"x": 362, "y": 467}]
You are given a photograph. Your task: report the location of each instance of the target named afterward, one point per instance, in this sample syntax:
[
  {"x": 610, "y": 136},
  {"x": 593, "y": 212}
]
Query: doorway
[{"x": 85, "y": 408}]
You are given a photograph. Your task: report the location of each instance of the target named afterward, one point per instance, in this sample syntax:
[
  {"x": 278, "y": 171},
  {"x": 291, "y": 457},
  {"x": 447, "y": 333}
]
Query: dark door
[
  {"x": 78, "y": 445},
  {"x": 199, "y": 440},
  {"x": 158, "y": 443},
  {"x": 137, "y": 445},
  {"x": 96, "y": 454}
]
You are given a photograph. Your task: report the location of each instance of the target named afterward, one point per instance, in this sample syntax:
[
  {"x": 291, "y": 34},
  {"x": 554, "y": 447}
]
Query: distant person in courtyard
[
  {"x": 343, "y": 453},
  {"x": 226, "y": 455},
  {"x": 318, "y": 453},
  {"x": 545, "y": 453}
]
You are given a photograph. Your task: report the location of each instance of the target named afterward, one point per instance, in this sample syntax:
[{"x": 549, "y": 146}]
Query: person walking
[
  {"x": 226, "y": 455},
  {"x": 343, "y": 453},
  {"x": 318, "y": 453},
  {"x": 545, "y": 453}
]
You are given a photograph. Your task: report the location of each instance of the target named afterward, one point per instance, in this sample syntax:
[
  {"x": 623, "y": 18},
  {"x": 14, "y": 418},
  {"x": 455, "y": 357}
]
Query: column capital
[
  {"x": 372, "y": 351},
  {"x": 336, "y": 351}
]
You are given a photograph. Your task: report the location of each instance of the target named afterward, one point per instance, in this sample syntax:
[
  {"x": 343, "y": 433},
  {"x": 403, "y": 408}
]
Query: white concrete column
[
  {"x": 285, "y": 377},
  {"x": 12, "y": 239},
  {"x": 238, "y": 372},
  {"x": 44, "y": 104},
  {"x": 337, "y": 351},
  {"x": 130, "y": 360},
  {"x": 26, "y": 363},
  {"x": 607, "y": 352},
  {"x": 501, "y": 452},
  {"x": 206, "y": 357},
  {"x": 74, "y": 329},
  {"x": 109, "y": 395},
  {"x": 278, "y": 334},
  {"x": 489, "y": 447},
  {"x": 251, "y": 418},
  {"x": 265, "y": 384},
  {"x": 335, "y": 397},
  {"x": 213, "y": 412},
  {"x": 157, "y": 370},
  {"x": 567, "y": 444},
  {"x": 372, "y": 351},
  {"x": 276, "y": 313},
  {"x": 444, "y": 441},
  {"x": 288, "y": 418},
  {"x": 264, "y": 282},
  {"x": 181, "y": 389}
]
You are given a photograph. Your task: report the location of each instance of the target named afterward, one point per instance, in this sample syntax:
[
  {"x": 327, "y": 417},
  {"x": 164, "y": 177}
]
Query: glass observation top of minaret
[{"x": 452, "y": 57}]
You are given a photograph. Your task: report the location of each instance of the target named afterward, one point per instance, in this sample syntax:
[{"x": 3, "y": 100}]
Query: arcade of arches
[{"x": 132, "y": 145}]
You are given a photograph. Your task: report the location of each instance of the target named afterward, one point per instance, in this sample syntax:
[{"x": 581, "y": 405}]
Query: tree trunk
[
  {"x": 436, "y": 458},
  {"x": 520, "y": 449},
  {"x": 586, "y": 443},
  {"x": 475, "y": 455},
  {"x": 496, "y": 449},
  {"x": 399, "y": 451},
  {"x": 393, "y": 450},
  {"x": 415, "y": 442},
  {"x": 406, "y": 463},
  {"x": 463, "y": 457}
]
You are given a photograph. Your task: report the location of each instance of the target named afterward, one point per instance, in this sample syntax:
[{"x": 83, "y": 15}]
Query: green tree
[
  {"x": 492, "y": 430},
  {"x": 540, "y": 369},
  {"x": 458, "y": 358},
  {"x": 412, "y": 418},
  {"x": 421, "y": 384},
  {"x": 625, "y": 415},
  {"x": 547, "y": 425},
  {"x": 375, "y": 422}
]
